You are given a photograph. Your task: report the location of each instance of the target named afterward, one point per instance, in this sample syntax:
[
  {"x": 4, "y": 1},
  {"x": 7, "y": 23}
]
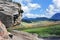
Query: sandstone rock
[
  {"x": 15, "y": 35},
  {"x": 3, "y": 30},
  {"x": 10, "y": 13},
  {"x": 1, "y": 38},
  {"x": 24, "y": 35}
]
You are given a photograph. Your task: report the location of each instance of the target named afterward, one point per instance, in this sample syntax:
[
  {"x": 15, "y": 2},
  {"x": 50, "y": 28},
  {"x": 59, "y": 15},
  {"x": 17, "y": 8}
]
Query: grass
[
  {"x": 39, "y": 24},
  {"x": 43, "y": 31},
  {"x": 42, "y": 28}
]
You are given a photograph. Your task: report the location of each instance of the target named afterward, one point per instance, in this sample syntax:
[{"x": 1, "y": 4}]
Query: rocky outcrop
[
  {"x": 25, "y": 35},
  {"x": 10, "y": 13},
  {"x": 3, "y": 32},
  {"x": 15, "y": 35}
]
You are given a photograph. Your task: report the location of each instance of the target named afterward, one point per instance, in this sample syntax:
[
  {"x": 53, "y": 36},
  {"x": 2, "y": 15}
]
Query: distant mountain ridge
[
  {"x": 55, "y": 17},
  {"x": 29, "y": 20}
]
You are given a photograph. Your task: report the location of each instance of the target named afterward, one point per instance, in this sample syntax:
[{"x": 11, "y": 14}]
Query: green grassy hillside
[
  {"x": 43, "y": 31},
  {"x": 42, "y": 28}
]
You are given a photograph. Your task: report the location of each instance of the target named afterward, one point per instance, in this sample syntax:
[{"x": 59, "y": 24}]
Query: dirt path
[
  {"x": 24, "y": 36},
  {"x": 19, "y": 38}
]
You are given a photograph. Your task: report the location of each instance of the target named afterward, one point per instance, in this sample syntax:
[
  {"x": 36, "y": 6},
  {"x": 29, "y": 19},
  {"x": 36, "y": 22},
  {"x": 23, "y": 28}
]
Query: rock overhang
[{"x": 10, "y": 12}]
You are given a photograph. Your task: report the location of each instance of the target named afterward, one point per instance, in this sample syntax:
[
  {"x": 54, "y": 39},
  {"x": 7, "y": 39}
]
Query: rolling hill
[
  {"x": 29, "y": 20},
  {"x": 55, "y": 17}
]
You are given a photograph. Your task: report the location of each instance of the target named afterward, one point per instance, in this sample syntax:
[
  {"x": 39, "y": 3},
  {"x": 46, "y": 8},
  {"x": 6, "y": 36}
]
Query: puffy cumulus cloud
[
  {"x": 56, "y": 3},
  {"x": 27, "y": 6},
  {"x": 34, "y": 5},
  {"x": 30, "y": 7},
  {"x": 53, "y": 8},
  {"x": 50, "y": 11},
  {"x": 30, "y": 15},
  {"x": 26, "y": 9}
]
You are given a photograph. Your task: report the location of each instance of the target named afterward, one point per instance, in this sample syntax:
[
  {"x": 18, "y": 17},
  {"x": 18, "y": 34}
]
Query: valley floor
[{"x": 48, "y": 28}]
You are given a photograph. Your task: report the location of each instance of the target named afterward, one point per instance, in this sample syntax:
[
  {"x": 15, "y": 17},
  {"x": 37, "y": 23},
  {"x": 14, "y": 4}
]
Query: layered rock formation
[
  {"x": 4, "y": 34},
  {"x": 10, "y": 12},
  {"x": 15, "y": 35}
]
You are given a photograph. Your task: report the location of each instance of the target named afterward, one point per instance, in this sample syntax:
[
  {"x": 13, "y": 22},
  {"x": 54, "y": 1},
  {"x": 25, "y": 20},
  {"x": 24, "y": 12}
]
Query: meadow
[
  {"x": 45, "y": 31},
  {"x": 43, "y": 28}
]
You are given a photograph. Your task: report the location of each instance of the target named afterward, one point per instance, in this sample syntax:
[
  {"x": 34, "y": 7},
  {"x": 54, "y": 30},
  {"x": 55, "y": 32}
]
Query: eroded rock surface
[
  {"x": 7, "y": 11},
  {"x": 15, "y": 35},
  {"x": 10, "y": 13}
]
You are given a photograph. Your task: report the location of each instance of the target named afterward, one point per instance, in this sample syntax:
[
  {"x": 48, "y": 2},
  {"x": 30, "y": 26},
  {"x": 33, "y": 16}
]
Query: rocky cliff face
[
  {"x": 10, "y": 12},
  {"x": 15, "y": 35},
  {"x": 11, "y": 9}
]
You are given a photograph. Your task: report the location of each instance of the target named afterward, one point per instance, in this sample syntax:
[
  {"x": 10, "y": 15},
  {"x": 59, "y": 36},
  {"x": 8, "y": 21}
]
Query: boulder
[
  {"x": 15, "y": 35},
  {"x": 3, "y": 30},
  {"x": 10, "y": 13}
]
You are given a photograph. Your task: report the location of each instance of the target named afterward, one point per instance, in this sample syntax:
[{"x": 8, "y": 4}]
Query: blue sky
[{"x": 39, "y": 8}]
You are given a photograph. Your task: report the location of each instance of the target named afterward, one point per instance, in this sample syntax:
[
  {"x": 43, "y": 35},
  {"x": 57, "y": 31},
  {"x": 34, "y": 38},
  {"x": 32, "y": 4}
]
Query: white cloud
[
  {"x": 30, "y": 15},
  {"x": 34, "y": 5},
  {"x": 50, "y": 11},
  {"x": 25, "y": 9},
  {"x": 56, "y": 3},
  {"x": 53, "y": 8},
  {"x": 28, "y": 7}
]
